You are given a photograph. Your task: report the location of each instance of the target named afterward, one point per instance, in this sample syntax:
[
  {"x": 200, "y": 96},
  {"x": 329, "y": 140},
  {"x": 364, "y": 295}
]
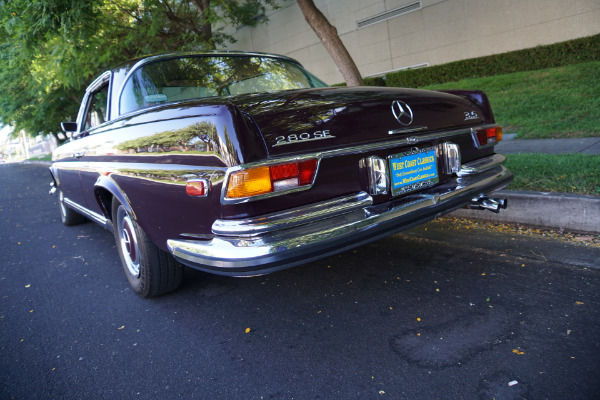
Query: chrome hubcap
[{"x": 128, "y": 242}]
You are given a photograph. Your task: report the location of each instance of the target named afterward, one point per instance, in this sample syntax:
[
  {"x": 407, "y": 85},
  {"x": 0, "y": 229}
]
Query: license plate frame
[{"x": 413, "y": 170}]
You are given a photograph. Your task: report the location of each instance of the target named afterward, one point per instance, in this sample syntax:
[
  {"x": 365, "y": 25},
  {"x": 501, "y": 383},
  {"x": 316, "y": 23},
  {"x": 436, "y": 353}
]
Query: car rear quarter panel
[{"x": 148, "y": 158}]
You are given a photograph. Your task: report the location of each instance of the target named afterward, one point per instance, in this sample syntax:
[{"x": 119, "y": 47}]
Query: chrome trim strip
[
  {"x": 213, "y": 174},
  {"x": 100, "y": 219},
  {"x": 394, "y": 143},
  {"x": 95, "y": 85},
  {"x": 481, "y": 165},
  {"x": 99, "y": 81},
  {"x": 271, "y": 251},
  {"x": 291, "y": 218},
  {"x": 407, "y": 130}
]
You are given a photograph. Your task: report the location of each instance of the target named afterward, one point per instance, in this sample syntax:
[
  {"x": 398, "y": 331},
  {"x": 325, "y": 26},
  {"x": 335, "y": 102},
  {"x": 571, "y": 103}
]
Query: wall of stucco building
[{"x": 435, "y": 32}]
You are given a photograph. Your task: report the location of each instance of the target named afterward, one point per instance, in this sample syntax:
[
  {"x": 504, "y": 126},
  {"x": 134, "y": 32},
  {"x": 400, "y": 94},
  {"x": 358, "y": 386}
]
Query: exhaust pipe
[{"x": 486, "y": 203}]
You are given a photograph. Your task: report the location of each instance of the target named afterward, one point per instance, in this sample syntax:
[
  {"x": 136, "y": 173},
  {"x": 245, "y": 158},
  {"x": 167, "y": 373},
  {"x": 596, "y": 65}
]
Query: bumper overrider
[{"x": 268, "y": 243}]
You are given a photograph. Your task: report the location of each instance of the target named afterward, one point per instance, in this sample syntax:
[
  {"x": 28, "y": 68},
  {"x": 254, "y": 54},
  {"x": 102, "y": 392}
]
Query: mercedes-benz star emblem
[{"x": 402, "y": 112}]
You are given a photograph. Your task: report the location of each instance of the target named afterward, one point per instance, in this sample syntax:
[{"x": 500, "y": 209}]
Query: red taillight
[
  {"x": 489, "y": 136},
  {"x": 285, "y": 171},
  {"x": 307, "y": 172},
  {"x": 280, "y": 177},
  {"x": 197, "y": 187}
]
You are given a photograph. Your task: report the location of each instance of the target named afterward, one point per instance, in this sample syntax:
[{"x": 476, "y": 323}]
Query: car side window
[{"x": 97, "y": 109}]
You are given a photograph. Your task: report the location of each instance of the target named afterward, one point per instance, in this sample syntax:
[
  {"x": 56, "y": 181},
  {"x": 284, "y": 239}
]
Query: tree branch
[{"x": 331, "y": 41}]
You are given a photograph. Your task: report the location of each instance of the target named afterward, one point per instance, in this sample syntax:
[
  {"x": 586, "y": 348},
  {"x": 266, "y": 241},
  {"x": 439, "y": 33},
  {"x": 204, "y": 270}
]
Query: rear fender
[
  {"x": 478, "y": 98},
  {"x": 104, "y": 190}
]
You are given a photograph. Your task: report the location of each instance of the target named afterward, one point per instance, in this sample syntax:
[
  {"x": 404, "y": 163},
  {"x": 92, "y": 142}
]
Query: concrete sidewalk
[
  {"x": 562, "y": 211},
  {"x": 510, "y": 144}
]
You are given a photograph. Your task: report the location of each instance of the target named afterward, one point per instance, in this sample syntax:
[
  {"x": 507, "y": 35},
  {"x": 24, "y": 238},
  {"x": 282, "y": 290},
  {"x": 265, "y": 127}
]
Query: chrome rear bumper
[{"x": 268, "y": 243}]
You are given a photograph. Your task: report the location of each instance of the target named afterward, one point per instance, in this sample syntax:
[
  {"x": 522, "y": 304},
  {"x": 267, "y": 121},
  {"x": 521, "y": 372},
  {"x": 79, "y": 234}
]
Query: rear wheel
[
  {"x": 68, "y": 216},
  {"x": 149, "y": 270}
]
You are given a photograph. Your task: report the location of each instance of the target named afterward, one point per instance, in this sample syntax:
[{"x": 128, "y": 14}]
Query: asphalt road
[{"x": 444, "y": 311}]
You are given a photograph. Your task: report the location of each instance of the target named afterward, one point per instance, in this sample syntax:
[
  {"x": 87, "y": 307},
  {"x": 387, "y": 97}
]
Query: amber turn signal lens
[{"x": 249, "y": 182}]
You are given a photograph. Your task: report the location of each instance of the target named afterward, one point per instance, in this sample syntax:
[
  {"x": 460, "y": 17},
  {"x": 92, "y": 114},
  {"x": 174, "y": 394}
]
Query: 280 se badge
[
  {"x": 195, "y": 159},
  {"x": 303, "y": 137}
]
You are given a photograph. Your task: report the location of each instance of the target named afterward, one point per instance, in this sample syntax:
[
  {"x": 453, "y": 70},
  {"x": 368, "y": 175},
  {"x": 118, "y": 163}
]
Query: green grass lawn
[
  {"x": 564, "y": 173},
  {"x": 549, "y": 103},
  {"x": 45, "y": 157}
]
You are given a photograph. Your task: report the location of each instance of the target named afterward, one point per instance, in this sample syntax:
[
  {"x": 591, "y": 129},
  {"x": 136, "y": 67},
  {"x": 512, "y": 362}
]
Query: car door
[{"x": 96, "y": 115}]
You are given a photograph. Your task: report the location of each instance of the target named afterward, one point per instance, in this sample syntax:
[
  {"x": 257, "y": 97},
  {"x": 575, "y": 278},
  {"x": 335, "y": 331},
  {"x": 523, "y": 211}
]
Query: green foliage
[
  {"x": 374, "y": 81},
  {"x": 564, "y": 173},
  {"x": 51, "y": 49},
  {"x": 554, "y": 102},
  {"x": 555, "y": 55},
  {"x": 370, "y": 81}
]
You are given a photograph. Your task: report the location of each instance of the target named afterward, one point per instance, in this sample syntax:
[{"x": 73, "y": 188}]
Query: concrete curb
[{"x": 562, "y": 211}]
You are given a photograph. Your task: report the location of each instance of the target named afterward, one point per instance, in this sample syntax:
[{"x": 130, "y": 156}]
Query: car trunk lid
[{"x": 314, "y": 119}]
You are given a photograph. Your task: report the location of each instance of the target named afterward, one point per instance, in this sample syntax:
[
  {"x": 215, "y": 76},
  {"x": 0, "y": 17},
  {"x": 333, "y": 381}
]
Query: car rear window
[{"x": 176, "y": 79}]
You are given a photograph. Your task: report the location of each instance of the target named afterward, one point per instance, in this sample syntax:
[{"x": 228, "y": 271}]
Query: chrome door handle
[{"x": 77, "y": 155}]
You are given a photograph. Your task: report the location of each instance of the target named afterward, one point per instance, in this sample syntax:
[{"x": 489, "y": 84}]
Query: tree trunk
[
  {"x": 330, "y": 39},
  {"x": 206, "y": 28}
]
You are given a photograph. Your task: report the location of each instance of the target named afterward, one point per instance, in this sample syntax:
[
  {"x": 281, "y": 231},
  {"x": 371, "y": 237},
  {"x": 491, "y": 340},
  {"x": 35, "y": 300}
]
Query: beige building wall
[{"x": 434, "y": 32}]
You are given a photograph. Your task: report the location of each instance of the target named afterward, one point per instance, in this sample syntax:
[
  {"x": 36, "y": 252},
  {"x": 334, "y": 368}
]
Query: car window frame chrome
[{"x": 85, "y": 103}]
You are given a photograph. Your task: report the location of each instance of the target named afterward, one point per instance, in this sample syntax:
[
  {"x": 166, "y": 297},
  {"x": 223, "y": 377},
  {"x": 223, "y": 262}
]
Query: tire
[
  {"x": 150, "y": 271},
  {"x": 68, "y": 216}
]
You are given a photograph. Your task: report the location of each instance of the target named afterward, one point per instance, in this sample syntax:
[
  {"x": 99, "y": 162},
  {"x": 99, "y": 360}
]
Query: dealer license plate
[{"x": 413, "y": 170}]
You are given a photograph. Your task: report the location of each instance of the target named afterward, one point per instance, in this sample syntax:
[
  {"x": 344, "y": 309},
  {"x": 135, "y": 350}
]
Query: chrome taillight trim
[
  {"x": 283, "y": 160},
  {"x": 476, "y": 139}
]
